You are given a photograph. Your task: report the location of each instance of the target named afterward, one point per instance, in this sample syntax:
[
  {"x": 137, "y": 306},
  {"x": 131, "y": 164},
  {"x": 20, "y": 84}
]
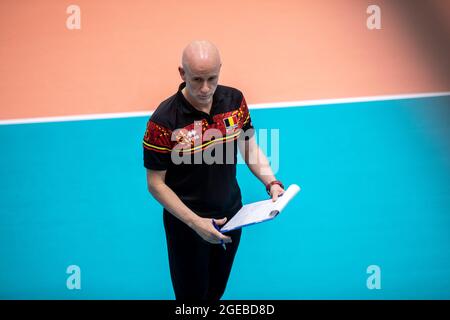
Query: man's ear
[{"x": 182, "y": 73}]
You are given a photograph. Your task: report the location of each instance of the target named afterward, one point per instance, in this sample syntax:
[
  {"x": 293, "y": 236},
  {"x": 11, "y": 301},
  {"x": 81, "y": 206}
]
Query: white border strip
[
  {"x": 80, "y": 117},
  {"x": 307, "y": 103},
  {"x": 287, "y": 104}
]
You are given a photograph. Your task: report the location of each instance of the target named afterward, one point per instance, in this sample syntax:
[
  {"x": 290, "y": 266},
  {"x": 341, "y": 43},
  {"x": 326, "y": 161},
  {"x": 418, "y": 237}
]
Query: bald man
[{"x": 190, "y": 153}]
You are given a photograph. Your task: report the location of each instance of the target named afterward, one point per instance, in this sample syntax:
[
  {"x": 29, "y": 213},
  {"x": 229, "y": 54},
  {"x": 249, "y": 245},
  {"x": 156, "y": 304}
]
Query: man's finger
[
  {"x": 221, "y": 237},
  {"x": 220, "y": 221},
  {"x": 226, "y": 239},
  {"x": 274, "y": 196}
]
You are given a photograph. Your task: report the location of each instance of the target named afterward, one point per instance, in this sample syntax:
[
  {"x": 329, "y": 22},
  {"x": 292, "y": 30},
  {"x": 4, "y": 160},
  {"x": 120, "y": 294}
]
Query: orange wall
[{"x": 126, "y": 54}]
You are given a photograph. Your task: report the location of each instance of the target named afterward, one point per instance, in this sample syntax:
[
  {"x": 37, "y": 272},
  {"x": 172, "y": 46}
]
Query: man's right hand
[{"x": 205, "y": 229}]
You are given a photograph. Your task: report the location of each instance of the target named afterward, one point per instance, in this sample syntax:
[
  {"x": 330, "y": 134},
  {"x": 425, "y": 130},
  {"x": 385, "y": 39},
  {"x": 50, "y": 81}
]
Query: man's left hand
[{"x": 276, "y": 191}]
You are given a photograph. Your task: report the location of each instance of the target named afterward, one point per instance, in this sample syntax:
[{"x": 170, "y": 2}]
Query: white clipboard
[{"x": 260, "y": 211}]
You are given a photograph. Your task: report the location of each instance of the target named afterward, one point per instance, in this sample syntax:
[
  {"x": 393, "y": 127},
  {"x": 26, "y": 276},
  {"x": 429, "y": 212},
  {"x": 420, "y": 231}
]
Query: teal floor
[{"x": 375, "y": 191}]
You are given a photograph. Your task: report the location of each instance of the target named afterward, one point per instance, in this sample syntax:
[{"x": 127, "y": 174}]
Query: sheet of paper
[{"x": 260, "y": 211}]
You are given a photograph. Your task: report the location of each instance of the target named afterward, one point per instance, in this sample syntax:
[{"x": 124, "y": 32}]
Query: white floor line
[{"x": 270, "y": 105}]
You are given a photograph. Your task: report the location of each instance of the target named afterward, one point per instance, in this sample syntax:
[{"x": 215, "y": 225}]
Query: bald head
[
  {"x": 200, "y": 55},
  {"x": 200, "y": 70}
]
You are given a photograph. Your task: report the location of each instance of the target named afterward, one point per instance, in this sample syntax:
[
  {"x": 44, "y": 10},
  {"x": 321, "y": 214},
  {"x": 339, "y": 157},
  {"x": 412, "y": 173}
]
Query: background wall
[
  {"x": 125, "y": 56},
  {"x": 374, "y": 174}
]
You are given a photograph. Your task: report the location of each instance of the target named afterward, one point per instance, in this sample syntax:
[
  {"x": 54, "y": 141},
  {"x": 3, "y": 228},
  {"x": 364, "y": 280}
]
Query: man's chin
[{"x": 204, "y": 100}]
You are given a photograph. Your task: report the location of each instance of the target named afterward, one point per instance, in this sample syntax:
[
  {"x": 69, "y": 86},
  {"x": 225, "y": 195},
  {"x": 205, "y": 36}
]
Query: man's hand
[
  {"x": 205, "y": 229},
  {"x": 275, "y": 191}
]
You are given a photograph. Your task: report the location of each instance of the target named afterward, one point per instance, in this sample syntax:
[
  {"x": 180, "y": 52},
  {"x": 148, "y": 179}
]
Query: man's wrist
[
  {"x": 192, "y": 220},
  {"x": 273, "y": 182}
]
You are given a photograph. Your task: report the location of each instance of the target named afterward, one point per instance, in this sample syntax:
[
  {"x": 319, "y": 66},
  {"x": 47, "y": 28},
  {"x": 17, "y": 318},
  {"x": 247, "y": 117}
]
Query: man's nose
[{"x": 205, "y": 87}]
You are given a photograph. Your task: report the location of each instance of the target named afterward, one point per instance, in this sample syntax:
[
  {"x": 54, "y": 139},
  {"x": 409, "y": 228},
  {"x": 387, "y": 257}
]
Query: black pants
[{"x": 199, "y": 269}]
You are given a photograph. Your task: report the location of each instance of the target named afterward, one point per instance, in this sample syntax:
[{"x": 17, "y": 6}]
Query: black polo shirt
[{"x": 207, "y": 187}]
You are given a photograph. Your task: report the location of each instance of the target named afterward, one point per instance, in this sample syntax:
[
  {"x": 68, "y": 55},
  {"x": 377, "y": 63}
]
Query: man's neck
[{"x": 202, "y": 108}]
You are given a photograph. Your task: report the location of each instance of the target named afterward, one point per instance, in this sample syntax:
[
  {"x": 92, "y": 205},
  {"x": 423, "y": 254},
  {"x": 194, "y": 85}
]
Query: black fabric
[
  {"x": 210, "y": 190},
  {"x": 199, "y": 270}
]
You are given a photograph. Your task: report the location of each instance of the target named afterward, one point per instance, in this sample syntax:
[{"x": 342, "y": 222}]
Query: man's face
[{"x": 201, "y": 83}]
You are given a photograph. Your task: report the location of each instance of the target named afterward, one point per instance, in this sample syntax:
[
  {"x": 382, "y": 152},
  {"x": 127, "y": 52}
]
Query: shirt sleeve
[
  {"x": 247, "y": 125},
  {"x": 157, "y": 146}
]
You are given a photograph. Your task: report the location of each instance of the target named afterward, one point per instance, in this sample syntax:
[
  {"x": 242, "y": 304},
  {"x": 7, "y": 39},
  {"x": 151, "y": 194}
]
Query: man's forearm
[
  {"x": 259, "y": 165},
  {"x": 169, "y": 200}
]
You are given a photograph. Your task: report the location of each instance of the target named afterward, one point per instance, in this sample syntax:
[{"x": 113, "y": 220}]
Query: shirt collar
[{"x": 187, "y": 107}]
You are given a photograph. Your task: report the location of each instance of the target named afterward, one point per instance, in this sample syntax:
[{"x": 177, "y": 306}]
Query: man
[{"x": 198, "y": 194}]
